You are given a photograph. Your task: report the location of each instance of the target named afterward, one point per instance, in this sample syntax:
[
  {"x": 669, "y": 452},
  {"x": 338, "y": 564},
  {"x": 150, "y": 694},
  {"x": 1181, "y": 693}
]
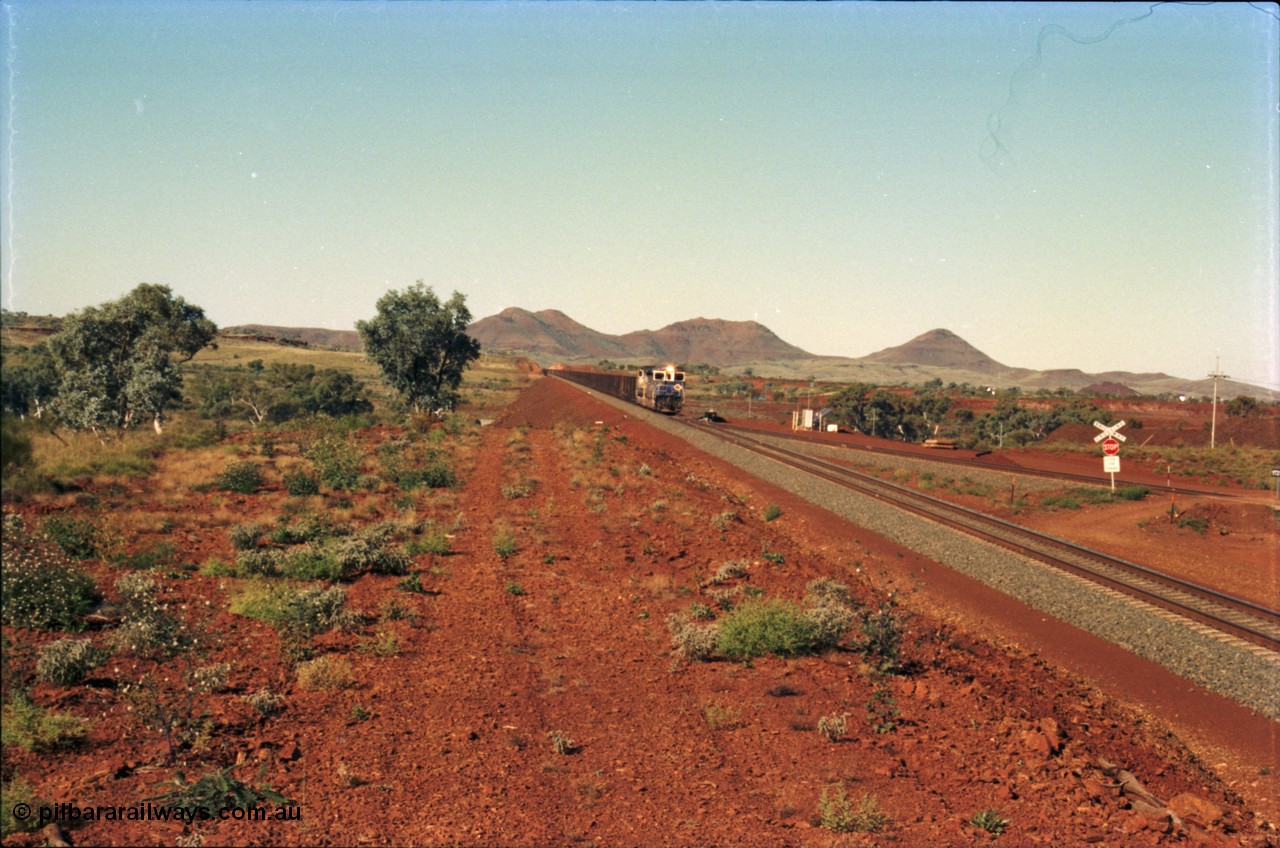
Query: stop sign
[{"x": 1111, "y": 447}]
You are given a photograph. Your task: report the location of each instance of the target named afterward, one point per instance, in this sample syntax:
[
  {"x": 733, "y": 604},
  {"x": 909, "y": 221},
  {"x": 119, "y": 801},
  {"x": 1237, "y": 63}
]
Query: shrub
[
  {"x": 211, "y": 678},
  {"x": 561, "y": 743},
  {"x": 514, "y": 588},
  {"x": 67, "y": 662},
  {"x": 308, "y": 563},
  {"x": 242, "y": 477},
  {"x": 325, "y": 673},
  {"x": 772, "y": 511},
  {"x": 337, "y": 460},
  {"x": 217, "y": 790},
  {"x": 835, "y": 812},
  {"x": 147, "y": 629},
  {"x": 504, "y": 543},
  {"x": 11, "y": 795},
  {"x": 311, "y": 610},
  {"x": 690, "y": 641},
  {"x": 34, "y": 728},
  {"x": 1195, "y": 522},
  {"x": 300, "y": 484},
  {"x": 823, "y": 591},
  {"x": 435, "y": 543},
  {"x": 760, "y": 627},
  {"x": 833, "y": 726},
  {"x": 245, "y": 537},
  {"x": 259, "y": 562},
  {"x": 883, "y": 639},
  {"x": 264, "y": 701},
  {"x": 76, "y": 536},
  {"x": 724, "y": 598},
  {"x": 412, "y": 583},
  {"x": 882, "y": 711},
  {"x": 721, "y": 717},
  {"x": 1132, "y": 493},
  {"x": 40, "y": 590},
  {"x": 830, "y": 623},
  {"x": 145, "y": 558},
  {"x": 728, "y": 571}
]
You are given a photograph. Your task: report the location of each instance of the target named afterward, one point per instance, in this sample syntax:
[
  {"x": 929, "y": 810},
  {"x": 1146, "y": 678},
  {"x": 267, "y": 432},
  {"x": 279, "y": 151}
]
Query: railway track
[
  {"x": 1217, "y": 610},
  {"x": 946, "y": 458}
]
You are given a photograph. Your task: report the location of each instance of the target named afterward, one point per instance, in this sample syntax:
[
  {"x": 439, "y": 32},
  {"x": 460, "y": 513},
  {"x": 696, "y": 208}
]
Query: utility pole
[
  {"x": 873, "y": 421},
  {"x": 1213, "y": 425}
]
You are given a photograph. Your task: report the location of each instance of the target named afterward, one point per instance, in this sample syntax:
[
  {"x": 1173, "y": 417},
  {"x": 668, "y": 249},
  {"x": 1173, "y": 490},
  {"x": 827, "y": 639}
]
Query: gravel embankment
[{"x": 1229, "y": 667}]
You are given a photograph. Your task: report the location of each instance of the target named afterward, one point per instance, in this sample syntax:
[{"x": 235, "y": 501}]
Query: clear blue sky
[{"x": 850, "y": 175}]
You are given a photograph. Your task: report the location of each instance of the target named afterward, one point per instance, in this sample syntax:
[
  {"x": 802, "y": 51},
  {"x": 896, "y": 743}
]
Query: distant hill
[
  {"x": 311, "y": 336},
  {"x": 551, "y": 336},
  {"x": 939, "y": 349}
]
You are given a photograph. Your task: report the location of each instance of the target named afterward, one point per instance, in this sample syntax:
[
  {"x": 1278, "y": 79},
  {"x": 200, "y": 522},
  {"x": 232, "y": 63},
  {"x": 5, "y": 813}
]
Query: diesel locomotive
[{"x": 660, "y": 388}]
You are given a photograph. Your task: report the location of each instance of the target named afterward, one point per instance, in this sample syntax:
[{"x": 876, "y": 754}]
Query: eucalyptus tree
[
  {"x": 421, "y": 345},
  {"x": 117, "y": 363}
]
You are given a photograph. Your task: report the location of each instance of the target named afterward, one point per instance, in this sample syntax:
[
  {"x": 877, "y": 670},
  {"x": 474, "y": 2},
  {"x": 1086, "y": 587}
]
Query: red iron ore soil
[{"x": 566, "y": 636}]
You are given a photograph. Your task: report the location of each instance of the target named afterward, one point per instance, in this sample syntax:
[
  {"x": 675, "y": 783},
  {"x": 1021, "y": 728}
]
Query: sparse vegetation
[
  {"x": 989, "y": 820},
  {"x": 832, "y": 727},
  {"x": 326, "y": 672},
  {"x": 35, "y": 728},
  {"x": 216, "y": 790},
  {"x": 836, "y": 812}
]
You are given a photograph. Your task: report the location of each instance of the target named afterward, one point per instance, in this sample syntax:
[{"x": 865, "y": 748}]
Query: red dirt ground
[{"x": 622, "y": 528}]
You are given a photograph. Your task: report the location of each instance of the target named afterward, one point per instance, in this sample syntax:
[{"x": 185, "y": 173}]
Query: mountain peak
[{"x": 940, "y": 348}]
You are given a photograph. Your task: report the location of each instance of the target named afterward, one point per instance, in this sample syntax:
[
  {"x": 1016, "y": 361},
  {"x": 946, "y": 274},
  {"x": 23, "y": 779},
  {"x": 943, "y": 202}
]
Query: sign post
[
  {"x": 1110, "y": 438},
  {"x": 1275, "y": 473}
]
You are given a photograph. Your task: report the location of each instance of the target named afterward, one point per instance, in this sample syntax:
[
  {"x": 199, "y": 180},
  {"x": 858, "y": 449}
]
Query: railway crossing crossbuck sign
[{"x": 1110, "y": 438}]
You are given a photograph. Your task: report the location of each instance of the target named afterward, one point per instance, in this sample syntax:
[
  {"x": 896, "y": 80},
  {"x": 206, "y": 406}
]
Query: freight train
[{"x": 657, "y": 388}]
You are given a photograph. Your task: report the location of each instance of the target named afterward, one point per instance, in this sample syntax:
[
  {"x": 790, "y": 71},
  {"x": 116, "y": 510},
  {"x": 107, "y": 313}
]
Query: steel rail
[
  {"x": 975, "y": 463},
  {"x": 1223, "y": 612}
]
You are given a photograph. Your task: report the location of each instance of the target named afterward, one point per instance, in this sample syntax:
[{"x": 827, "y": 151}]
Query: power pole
[
  {"x": 873, "y": 421},
  {"x": 1213, "y": 425}
]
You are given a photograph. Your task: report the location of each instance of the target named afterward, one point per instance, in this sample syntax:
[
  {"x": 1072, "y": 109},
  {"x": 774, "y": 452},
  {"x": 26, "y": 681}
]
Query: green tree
[
  {"x": 1242, "y": 406},
  {"x": 28, "y": 382},
  {"x": 421, "y": 345},
  {"x": 116, "y": 362}
]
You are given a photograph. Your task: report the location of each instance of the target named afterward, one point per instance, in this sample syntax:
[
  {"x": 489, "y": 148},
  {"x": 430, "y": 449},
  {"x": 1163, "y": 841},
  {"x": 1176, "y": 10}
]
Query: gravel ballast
[{"x": 1228, "y": 666}]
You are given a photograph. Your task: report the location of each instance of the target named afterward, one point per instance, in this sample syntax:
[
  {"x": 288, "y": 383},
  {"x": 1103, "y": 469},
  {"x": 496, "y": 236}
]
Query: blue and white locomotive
[{"x": 660, "y": 389}]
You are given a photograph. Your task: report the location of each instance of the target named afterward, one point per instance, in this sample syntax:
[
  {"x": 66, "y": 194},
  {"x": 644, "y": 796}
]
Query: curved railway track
[
  {"x": 945, "y": 457},
  {"x": 1217, "y": 610}
]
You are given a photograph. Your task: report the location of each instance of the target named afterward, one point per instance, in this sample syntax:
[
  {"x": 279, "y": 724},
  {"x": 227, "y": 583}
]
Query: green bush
[
  {"x": 337, "y": 460},
  {"x": 504, "y": 544},
  {"x": 259, "y": 562},
  {"x": 145, "y": 558},
  {"x": 883, "y": 639},
  {"x": 147, "y": 628},
  {"x": 245, "y": 537},
  {"x": 300, "y": 484},
  {"x": 758, "y": 627},
  {"x": 242, "y": 477},
  {"x": 67, "y": 662},
  {"x": 772, "y": 511},
  {"x": 40, "y": 590},
  {"x": 11, "y": 795},
  {"x": 1132, "y": 493},
  {"x": 34, "y": 728},
  {"x": 76, "y": 536},
  {"x": 217, "y": 790}
]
